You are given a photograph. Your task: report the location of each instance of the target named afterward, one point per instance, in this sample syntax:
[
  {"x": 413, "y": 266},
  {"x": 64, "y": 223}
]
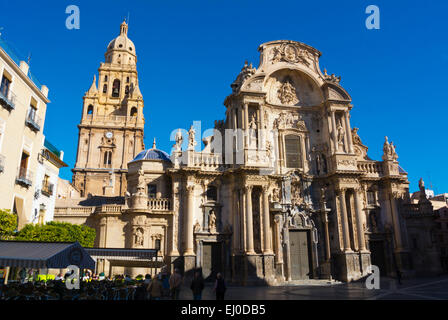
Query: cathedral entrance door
[
  {"x": 211, "y": 260},
  {"x": 377, "y": 255},
  {"x": 300, "y": 262}
]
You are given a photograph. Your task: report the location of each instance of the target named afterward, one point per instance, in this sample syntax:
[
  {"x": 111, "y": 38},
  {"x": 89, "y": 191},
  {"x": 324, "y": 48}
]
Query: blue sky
[{"x": 189, "y": 52}]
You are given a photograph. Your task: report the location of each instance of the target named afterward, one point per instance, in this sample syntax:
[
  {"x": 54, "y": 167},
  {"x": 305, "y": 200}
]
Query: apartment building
[{"x": 23, "y": 104}]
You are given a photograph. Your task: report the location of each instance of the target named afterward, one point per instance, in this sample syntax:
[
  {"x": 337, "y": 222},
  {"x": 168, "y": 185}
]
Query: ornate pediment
[{"x": 292, "y": 53}]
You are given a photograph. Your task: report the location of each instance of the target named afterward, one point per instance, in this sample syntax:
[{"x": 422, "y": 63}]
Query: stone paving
[{"x": 435, "y": 288}]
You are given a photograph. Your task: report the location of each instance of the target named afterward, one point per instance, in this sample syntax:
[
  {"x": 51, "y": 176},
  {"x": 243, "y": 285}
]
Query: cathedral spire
[
  {"x": 154, "y": 143},
  {"x": 93, "y": 89}
]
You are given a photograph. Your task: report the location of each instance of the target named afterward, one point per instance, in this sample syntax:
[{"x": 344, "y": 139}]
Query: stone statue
[
  {"x": 287, "y": 93},
  {"x": 389, "y": 152},
  {"x": 212, "y": 221},
  {"x": 421, "y": 185},
  {"x": 268, "y": 150},
  {"x": 197, "y": 227},
  {"x": 139, "y": 240},
  {"x": 275, "y": 195},
  {"x": 141, "y": 185},
  {"x": 296, "y": 196},
  {"x": 341, "y": 133},
  {"x": 191, "y": 138},
  {"x": 355, "y": 137},
  {"x": 179, "y": 139}
]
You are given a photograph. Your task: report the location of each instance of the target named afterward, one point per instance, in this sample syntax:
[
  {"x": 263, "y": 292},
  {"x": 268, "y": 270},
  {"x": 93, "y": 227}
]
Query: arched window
[
  {"x": 105, "y": 78},
  {"x": 133, "y": 112},
  {"x": 292, "y": 151},
  {"x": 105, "y": 88},
  {"x": 107, "y": 158},
  {"x": 90, "y": 109},
  {"x": 116, "y": 88},
  {"x": 126, "y": 90},
  {"x": 127, "y": 79},
  {"x": 212, "y": 193}
]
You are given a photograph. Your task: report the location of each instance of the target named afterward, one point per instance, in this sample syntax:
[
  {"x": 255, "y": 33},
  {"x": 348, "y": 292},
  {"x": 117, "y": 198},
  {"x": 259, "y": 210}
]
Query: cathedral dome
[
  {"x": 153, "y": 154},
  {"x": 121, "y": 44}
]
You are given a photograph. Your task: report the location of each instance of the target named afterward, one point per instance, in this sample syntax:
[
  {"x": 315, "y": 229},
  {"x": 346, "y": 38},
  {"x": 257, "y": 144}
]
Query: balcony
[
  {"x": 7, "y": 101},
  {"x": 24, "y": 178},
  {"x": 33, "y": 122},
  {"x": 2, "y": 163},
  {"x": 159, "y": 204},
  {"x": 47, "y": 189}
]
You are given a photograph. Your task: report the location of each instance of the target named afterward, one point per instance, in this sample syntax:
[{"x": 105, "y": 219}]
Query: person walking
[
  {"x": 155, "y": 288},
  {"x": 220, "y": 287},
  {"x": 197, "y": 285},
  {"x": 175, "y": 283}
]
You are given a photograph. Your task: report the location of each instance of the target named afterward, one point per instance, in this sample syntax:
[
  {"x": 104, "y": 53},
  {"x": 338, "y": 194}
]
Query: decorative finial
[
  {"x": 325, "y": 72},
  {"x": 154, "y": 143},
  {"x": 124, "y": 28}
]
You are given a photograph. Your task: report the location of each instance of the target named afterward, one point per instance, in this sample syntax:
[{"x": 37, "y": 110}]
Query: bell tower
[{"x": 112, "y": 122}]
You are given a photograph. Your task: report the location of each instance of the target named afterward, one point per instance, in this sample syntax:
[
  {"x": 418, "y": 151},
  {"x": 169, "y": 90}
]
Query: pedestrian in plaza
[
  {"x": 155, "y": 288},
  {"x": 175, "y": 283},
  {"x": 146, "y": 284},
  {"x": 197, "y": 285},
  {"x": 399, "y": 276},
  {"x": 220, "y": 287}
]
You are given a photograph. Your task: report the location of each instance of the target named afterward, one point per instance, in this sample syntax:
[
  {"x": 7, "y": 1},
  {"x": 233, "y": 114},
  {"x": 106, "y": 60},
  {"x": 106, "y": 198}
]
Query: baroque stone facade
[{"x": 283, "y": 190}]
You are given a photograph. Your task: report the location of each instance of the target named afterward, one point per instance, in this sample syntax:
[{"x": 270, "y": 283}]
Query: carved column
[
  {"x": 249, "y": 221},
  {"x": 360, "y": 220},
  {"x": 189, "y": 245},
  {"x": 266, "y": 222},
  {"x": 396, "y": 222},
  {"x": 246, "y": 125},
  {"x": 344, "y": 218},
  {"x": 235, "y": 234},
  {"x": 278, "y": 238},
  {"x": 348, "y": 132}
]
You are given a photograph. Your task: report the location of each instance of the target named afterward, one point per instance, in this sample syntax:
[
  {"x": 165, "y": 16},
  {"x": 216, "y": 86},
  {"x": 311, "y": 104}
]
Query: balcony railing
[
  {"x": 159, "y": 204},
  {"x": 25, "y": 177},
  {"x": 47, "y": 189},
  {"x": 33, "y": 122},
  {"x": 113, "y": 120},
  {"x": 2, "y": 163},
  {"x": 8, "y": 101}
]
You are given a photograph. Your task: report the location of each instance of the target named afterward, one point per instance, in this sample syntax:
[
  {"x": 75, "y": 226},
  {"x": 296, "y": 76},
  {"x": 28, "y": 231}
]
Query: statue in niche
[
  {"x": 179, "y": 139},
  {"x": 139, "y": 240},
  {"x": 340, "y": 134},
  {"x": 191, "y": 138},
  {"x": 253, "y": 131},
  {"x": 212, "y": 221},
  {"x": 297, "y": 198},
  {"x": 275, "y": 197}
]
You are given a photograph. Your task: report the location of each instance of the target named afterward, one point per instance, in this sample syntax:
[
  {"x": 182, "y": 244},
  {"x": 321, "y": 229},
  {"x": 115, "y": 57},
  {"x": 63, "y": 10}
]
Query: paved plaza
[{"x": 410, "y": 289}]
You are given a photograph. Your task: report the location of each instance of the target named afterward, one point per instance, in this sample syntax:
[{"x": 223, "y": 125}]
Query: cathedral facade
[{"x": 283, "y": 190}]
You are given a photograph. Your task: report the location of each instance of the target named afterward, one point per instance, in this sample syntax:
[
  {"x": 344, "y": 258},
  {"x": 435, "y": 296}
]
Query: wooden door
[{"x": 300, "y": 262}]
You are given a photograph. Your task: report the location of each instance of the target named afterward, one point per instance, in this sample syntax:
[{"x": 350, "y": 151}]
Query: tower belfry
[{"x": 112, "y": 123}]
